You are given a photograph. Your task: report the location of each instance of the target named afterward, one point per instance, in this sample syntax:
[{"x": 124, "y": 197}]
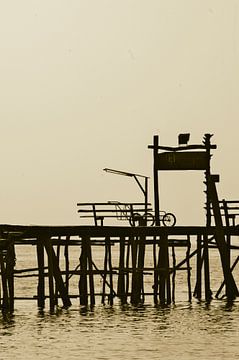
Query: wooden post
[
  {"x": 156, "y": 184},
  {"x": 10, "y": 263},
  {"x": 134, "y": 248},
  {"x": 141, "y": 256},
  {"x": 208, "y": 293},
  {"x": 174, "y": 273},
  {"x": 164, "y": 270},
  {"x": 67, "y": 265},
  {"x": 189, "y": 269},
  {"x": 207, "y": 143},
  {"x": 41, "y": 277},
  {"x": 127, "y": 267},
  {"x": 48, "y": 246},
  {"x": 228, "y": 237},
  {"x": 168, "y": 282},
  {"x": 111, "y": 297},
  {"x": 198, "y": 287},
  {"x": 105, "y": 273},
  {"x": 91, "y": 276},
  {"x": 156, "y": 272},
  {"x": 83, "y": 277},
  {"x": 58, "y": 254},
  {"x": 5, "y": 302},
  {"x": 121, "y": 277}
]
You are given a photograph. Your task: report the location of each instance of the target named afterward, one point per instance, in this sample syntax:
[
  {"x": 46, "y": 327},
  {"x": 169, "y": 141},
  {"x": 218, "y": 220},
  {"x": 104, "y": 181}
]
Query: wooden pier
[
  {"x": 136, "y": 261},
  {"x": 122, "y": 270}
]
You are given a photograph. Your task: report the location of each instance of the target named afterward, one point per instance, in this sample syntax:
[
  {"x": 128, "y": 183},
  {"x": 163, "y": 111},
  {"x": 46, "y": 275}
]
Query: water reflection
[{"x": 186, "y": 330}]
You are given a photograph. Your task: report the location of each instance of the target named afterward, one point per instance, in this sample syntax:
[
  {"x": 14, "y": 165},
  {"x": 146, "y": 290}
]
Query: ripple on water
[{"x": 188, "y": 331}]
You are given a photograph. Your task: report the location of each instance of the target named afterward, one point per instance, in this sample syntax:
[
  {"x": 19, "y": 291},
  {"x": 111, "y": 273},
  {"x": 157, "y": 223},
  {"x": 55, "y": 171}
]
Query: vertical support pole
[
  {"x": 134, "y": 271},
  {"x": 164, "y": 277},
  {"x": 50, "y": 273},
  {"x": 156, "y": 272},
  {"x": 141, "y": 256},
  {"x": 198, "y": 287},
  {"x": 83, "y": 276},
  {"x": 146, "y": 191},
  {"x": 5, "y": 302},
  {"x": 208, "y": 293},
  {"x": 121, "y": 277},
  {"x": 111, "y": 297},
  {"x": 58, "y": 253},
  {"x": 67, "y": 266},
  {"x": 167, "y": 274},
  {"x": 41, "y": 275},
  {"x": 91, "y": 276},
  {"x": 10, "y": 263},
  {"x": 156, "y": 184},
  {"x": 127, "y": 269},
  {"x": 207, "y": 144},
  {"x": 174, "y": 273},
  {"x": 189, "y": 269},
  {"x": 95, "y": 215},
  {"x": 228, "y": 237},
  {"x": 105, "y": 273}
]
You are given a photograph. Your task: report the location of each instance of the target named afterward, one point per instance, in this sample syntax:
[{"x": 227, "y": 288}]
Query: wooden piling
[
  {"x": 105, "y": 273},
  {"x": 127, "y": 267},
  {"x": 41, "y": 275},
  {"x": 83, "y": 289},
  {"x": 174, "y": 273},
  {"x": 58, "y": 254},
  {"x": 156, "y": 272},
  {"x": 208, "y": 293},
  {"x": 140, "y": 277},
  {"x": 198, "y": 287},
  {"x": 164, "y": 282},
  {"x": 112, "y": 293},
  {"x": 49, "y": 250},
  {"x": 121, "y": 277},
  {"x": 5, "y": 293},
  {"x": 189, "y": 269},
  {"x": 10, "y": 263},
  {"x": 91, "y": 276},
  {"x": 67, "y": 264},
  {"x": 134, "y": 287}
]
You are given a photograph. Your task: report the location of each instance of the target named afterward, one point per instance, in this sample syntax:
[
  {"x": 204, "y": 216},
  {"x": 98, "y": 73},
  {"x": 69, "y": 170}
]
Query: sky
[{"x": 86, "y": 84}]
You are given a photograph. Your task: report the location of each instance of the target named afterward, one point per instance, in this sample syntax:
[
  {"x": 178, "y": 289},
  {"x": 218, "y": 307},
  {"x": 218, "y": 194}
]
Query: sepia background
[{"x": 85, "y": 84}]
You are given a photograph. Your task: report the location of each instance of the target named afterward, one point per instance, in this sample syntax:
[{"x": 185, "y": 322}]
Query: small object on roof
[{"x": 183, "y": 139}]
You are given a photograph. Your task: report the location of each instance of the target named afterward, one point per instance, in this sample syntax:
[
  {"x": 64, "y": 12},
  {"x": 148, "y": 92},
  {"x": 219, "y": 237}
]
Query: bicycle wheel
[
  {"x": 149, "y": 219},
  {"x": 169, "y": 219},
  {"x": 134, "y": 220}
]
